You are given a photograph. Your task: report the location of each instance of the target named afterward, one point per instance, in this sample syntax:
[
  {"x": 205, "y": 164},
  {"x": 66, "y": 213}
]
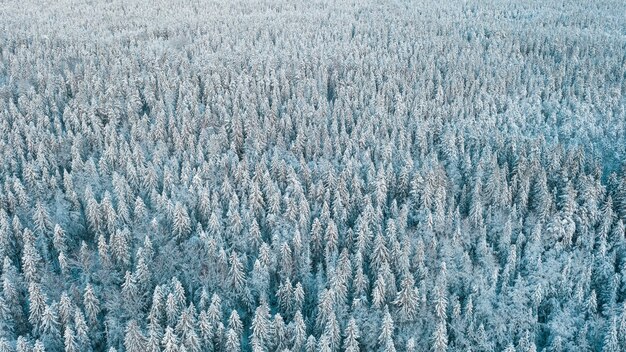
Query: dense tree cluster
[{"x": 312, "y": 176}]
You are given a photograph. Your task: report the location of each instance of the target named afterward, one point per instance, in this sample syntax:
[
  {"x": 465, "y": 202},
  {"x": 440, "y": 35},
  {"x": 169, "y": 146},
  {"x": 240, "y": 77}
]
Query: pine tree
[
  {"x": 70, "y": 342},
  {"x": 38, "y": 347},
  {"x": 186, "y": 329},
  {"x": 22, "y": 344},
  {"x": 407, "y": 299},
  {"x": 171, "y": 309},
  {"x": 380, "y": 254},
  {"x": 206, "y": 331},
  {"x": 153, "y": 343},
  {"x": 181, "y": 222},
  {"x": 311, "y": 344},
  {"x": 130, "y": 293},
  {"x": 324, "y": 344},
  {"x": 232, "y": 341},
  {"x": 142, "y": 271},
  {"x": 108, "y": 214},
  {"x": 41, "y": 218},
  {"x": 556, "y": 345},
  {"x": 215, "y": 310},
  {"x": 92, "y": 211},
  {"x": 325, "y": 308},
  {"x": 611, "y": 339},
  {"x": 441, "y": 302},
  {"x": 261, "y": 327},
  {"x": 236, "y": 273},
  {"x": 279, "y": 333},
  {"x": 5, "y": 346},
  {"x": 332, "y": 332},
  {"x": 65, "y": 308},
  {"x": 440, "y": 338},
  {"x": 385, "y": 339},
  {"x": 31, "y": 260},
  {"x": 235, "y": 329},
  {"x": 37, "y": 305},
  {"x": 7, "y": 325},
  {"x": 298, "y": 331},
  {"x": 410, "y": 345},
  {"x": 50, "y": 328},
  {"x": 81, "y": 329},
  {"x": 60, "y": 239},
  {"x": 91, "y": 304},
  {"x": 621, "y": 328},
  {"x": 134, "y": 341},
  {"x": 170, "y": 341},
  {"x": 351, "y": 337},
  {"x": 379, "y": 292}
]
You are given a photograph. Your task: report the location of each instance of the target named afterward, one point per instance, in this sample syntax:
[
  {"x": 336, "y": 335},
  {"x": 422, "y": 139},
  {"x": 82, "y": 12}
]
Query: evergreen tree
[
  {"x": 611, "y": 340},
  {"x": 70, "y": 341},
  {"x": 181, "y": 221},
  {"x": 134, "y": 340},
  {"x": 261, "y": 327},
  {"x": 351, "y": 336},
  {"x": 385, "y": 339},
  {"x": 407, "y": 299},
  {"x": 440, "y": 338}
]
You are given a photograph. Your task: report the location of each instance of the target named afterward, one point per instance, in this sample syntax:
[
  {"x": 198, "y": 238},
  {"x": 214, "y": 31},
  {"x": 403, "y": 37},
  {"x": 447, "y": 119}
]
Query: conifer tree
[
  {"x": 385, "y": 339},
  {"x": 70, "y": 342},
  {"x": 351, "y": 337},
  {"x": 134, "y": 340},
  {"x": 440, "y": 338},
  {"x": 91, "y": 304}
]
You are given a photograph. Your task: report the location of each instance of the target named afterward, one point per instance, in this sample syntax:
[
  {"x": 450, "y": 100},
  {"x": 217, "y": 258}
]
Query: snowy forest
[{"x": 303, "y": 176}]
